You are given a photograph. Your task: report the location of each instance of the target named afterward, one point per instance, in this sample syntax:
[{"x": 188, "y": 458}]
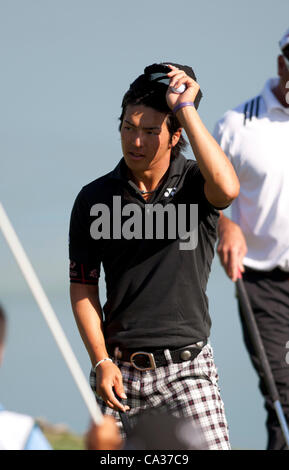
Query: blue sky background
[{"x": 65, "y": 66}]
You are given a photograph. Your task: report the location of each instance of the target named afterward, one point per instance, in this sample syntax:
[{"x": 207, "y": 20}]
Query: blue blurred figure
[{"x": 17, "y": 431}]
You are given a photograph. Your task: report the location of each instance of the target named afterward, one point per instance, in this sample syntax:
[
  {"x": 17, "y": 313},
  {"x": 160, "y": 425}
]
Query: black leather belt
[{"x": 144, "y": 360}]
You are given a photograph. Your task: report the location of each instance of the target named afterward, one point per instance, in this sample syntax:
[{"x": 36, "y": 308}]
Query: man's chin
[{"x": 136, "y": 163}]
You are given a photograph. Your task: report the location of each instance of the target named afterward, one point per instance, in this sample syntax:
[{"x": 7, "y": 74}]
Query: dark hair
[
  {"x": 149, "y": 89},
  {"x": 2, "y": 324}
]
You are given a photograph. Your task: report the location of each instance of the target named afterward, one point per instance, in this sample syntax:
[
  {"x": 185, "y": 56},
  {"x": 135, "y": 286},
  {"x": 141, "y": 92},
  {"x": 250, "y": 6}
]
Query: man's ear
[
  {"x": 176, "y": 137},
  {"x": 281, "y": 66}
]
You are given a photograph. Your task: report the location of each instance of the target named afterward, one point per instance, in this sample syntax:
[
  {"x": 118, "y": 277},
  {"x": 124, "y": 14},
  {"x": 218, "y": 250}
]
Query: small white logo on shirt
[{"x": 170, "y": 192}]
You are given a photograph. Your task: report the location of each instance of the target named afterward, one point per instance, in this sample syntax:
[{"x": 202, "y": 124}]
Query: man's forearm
[
  {"x": 88, "y": 315},
  {"x": 232, "y": 247},
  {"x": 222, "y": 185},
  {"x": 223, "y": 223}
]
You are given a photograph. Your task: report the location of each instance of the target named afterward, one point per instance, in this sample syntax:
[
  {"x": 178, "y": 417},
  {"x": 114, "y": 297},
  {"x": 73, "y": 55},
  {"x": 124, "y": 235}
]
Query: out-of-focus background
[{"x": 65, "y": 66}]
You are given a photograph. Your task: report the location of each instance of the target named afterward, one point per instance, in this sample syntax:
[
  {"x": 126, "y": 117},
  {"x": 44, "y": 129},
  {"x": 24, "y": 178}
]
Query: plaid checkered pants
[{"x": 188, "y": 389}]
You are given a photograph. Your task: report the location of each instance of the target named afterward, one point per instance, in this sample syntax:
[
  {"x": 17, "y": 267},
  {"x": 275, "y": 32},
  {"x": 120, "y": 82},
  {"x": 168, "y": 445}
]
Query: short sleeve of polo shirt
[
  {"x": 225, "y": 132},
  {"x": 85, "y": 261},
  {"x": 195, "y": 191},
  {"x": 221, "y": 135}
]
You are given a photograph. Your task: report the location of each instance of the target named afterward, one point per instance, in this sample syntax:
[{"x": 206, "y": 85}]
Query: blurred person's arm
[
  {"x": 105, "y": 436},
  {"x": 232, "y": 246},
  {"x": 88, "y": 315}
]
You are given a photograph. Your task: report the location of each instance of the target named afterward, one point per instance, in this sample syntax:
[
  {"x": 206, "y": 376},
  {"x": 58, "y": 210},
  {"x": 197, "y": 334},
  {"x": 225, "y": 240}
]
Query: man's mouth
[{"x": 136, "y": 156}]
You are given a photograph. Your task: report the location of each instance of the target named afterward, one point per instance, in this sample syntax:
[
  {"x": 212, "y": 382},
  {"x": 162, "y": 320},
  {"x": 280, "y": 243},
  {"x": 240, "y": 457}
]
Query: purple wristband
[{"x": 182, "y": 105}]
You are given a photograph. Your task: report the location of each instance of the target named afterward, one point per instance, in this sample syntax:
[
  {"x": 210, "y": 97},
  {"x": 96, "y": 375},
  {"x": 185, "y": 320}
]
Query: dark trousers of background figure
[{"x": 269, "y": 296}]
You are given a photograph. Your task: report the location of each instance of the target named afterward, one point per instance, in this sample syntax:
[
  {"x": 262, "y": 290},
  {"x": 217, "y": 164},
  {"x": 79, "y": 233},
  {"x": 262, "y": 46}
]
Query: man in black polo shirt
[{"x": 149, "y": 345}]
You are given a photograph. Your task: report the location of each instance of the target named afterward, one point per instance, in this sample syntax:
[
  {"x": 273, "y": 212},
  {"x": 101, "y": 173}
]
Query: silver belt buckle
[{"x": 151, "y": 359}]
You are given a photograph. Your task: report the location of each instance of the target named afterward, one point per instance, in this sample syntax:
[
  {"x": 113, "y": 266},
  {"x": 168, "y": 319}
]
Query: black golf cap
[{"x": 154, "y": 81}]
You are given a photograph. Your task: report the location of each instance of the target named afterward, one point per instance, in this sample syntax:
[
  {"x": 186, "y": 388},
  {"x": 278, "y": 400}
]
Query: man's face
[{"x": 145, "y": 138}]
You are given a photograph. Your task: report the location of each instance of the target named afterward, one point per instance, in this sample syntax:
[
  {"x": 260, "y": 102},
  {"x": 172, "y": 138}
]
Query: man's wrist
[
  {"x": 222, "y": 224},
  {"x": 186, "y": 115},
  {"x": 101, "y": 361},
  {"x": 182, "y": 105},
  {"x": 226, "y": 225}
]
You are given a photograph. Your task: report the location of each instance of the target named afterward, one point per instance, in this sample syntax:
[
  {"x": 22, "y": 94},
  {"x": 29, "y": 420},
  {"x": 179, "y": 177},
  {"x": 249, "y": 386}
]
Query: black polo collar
[{"x": 176, "y": 168}]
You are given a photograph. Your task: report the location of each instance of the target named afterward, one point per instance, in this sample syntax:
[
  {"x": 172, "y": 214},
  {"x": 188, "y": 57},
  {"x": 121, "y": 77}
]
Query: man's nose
[{"x": 138, "y": 140}]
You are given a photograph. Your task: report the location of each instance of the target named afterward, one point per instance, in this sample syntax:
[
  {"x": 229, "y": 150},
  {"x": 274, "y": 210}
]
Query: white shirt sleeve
[{"x": 221, "y": 135}]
